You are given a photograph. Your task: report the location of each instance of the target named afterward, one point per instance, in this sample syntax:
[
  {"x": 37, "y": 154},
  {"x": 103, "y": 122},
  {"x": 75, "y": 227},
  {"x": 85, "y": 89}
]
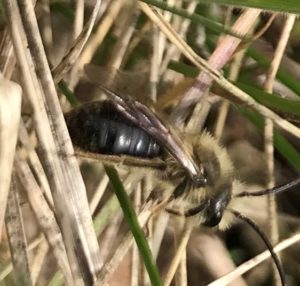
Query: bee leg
[
  {"x": 196, "y": 210},
  {"x": 161, "y": 205},
  {"x": 189, "y": 212},
  {"x": 146, "y": 229},
  {"x": 180, "y": 189},
  {"x": 174, "y": 212}
]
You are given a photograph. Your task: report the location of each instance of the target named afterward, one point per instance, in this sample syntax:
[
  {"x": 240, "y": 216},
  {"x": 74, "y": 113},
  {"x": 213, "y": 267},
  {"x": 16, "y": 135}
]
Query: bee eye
[
  {"x": 216, "y": 206},
  {"x": 213, "y": 219}
]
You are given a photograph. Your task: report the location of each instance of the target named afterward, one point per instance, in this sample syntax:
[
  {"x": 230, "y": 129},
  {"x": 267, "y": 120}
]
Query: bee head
[
  {"x": 212, "y": 208},
  {"x": 215, "y": 206}
]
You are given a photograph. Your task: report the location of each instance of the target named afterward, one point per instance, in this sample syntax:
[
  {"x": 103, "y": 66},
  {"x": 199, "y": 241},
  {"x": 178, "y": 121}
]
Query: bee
[{"x": 194, "y": 171}]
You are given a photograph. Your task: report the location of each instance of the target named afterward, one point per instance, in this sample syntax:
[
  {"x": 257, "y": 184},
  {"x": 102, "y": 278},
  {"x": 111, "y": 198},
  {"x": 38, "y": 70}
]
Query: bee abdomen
[{"x": 100, "y": 128}]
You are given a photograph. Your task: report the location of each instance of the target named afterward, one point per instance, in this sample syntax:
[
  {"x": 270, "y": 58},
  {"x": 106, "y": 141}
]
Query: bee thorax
[{"x": 203, "y": 204}]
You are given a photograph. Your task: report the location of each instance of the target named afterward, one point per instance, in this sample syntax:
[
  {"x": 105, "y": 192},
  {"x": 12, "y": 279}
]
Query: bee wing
[
  {"x": 145, "y": 118},
  {"x": 133, "y": 83}
]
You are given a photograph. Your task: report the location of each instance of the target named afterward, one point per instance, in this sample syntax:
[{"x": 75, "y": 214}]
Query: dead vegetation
[{"x": 61, "y": 222}]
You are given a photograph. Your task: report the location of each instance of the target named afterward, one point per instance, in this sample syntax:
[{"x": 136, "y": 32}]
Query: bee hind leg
[
  {"x": 174, "y": 212},
  {"x": 161, "y": 205},
  {"x": 189, "y": 212},
  {"x": 195, "y": 211}
]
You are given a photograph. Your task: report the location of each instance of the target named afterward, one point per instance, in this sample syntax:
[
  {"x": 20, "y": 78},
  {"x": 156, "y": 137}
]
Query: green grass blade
[
  {"x": 184, "y": 69},
  {"x": 267, "y": 99},
  {"x": 271, "y": 100},
  {"x": 211, "y": 25},
  {"x": 281, "y": 144},
  {"x": 68, "y": 93},
  {"x": 286, "y": 6},
  {"x": 284, "y": 76},
  {"x": 137, "y": 232},
  {"x": 63, "y": 8}
]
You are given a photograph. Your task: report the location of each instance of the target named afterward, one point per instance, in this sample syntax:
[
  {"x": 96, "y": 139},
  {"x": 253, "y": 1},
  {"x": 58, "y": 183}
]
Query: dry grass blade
[
  {"x": 9, "y": 267},
  {"x": 34, "y": 162},
  {"x": 77, "y": 29},
  {"x": 127, "y": 30},
  {"x": 65, "y": 196},
  {"x": 215, "y": 74},
  {"x": 121, "y": 251},
  {"x": 60, "y": 166},
  {"x": 10, "y": 109},
  {"x": 180, "y": 277},
  {"x": 109, "y": 236},
  {"x": 221, "y": 55},
  {"x": 269, "y": 133},
  {"x": 101, "y": 32},
  {"x": 98, "y": 194},
  {"x": 223, "y": 112},
  {"x": 176, "y": 260},
  {"x": 233, "y": 75},
  {"x": 136, "y": 39},
  {"x": 248, "y": 265},
  {"x": 79, "y": 17},
  {"x": 135, "y": 266},
  {"x": 39, "y": 260},
  {"x": 7, "y": 59},
  {"x": 45, "y": 217},
  {"x": 16, "y": 237},
  {"x": 46, "y": 27},
  {"x": 135, "y": 257},
  {"x": 172, "y": 53},
  {"x": 75, "y": 51}
]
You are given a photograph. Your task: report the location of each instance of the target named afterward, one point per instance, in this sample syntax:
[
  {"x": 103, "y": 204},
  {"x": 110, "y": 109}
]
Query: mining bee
[{"x": 195, "y": 173}]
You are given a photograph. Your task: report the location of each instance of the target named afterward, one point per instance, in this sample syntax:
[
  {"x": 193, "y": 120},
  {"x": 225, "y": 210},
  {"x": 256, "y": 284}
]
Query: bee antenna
[
  {"x": 266, "y": 241},
  {"x": 273, "y": 191}
]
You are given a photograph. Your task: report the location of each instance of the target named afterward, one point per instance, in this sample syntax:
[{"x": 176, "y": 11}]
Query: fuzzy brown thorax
[{"x": 205, "y": 204}]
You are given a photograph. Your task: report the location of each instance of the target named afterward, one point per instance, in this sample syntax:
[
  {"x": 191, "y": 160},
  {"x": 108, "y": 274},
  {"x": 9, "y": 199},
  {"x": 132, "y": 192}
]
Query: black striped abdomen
[{"x": 99, "y": 128}]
